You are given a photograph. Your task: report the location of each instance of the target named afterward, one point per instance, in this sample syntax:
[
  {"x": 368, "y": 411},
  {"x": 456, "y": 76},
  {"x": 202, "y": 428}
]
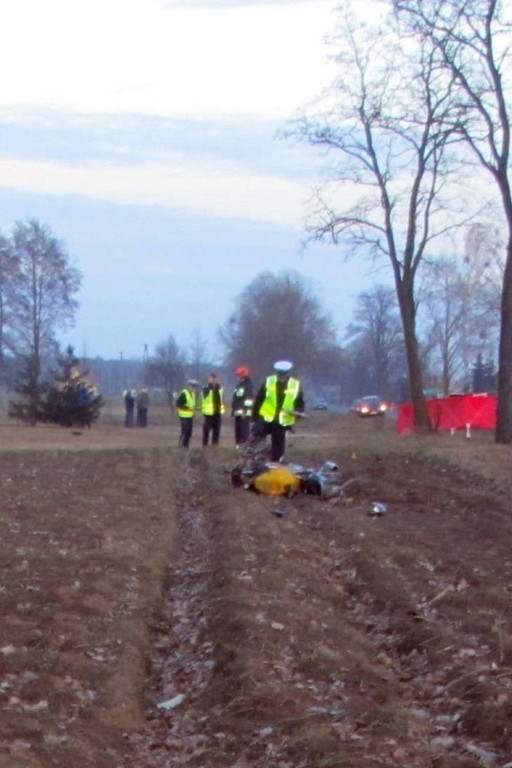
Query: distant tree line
[
  {"x": 275, "y": 316},
  {"x": 278, "y": 315}
]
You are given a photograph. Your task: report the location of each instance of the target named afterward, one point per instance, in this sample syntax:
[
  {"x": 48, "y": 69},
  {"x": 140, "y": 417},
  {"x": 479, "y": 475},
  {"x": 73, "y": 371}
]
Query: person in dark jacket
[
  {"x": 142, "y": 404},
  {"x": 276, "y": 407},
  {"x": 212, "y": 407},
  {"x": 129, "y": 396},
  {"x": 241, "y": 404}
]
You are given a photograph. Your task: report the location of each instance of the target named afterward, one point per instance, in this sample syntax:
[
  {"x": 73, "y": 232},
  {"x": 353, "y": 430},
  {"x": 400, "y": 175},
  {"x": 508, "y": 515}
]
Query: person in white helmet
[{"x": 276, "y": 405}]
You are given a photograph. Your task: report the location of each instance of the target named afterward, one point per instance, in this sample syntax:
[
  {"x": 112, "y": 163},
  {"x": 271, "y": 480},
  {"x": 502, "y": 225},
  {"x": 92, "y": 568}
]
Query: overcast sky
[{"x": 142, "y": 132}]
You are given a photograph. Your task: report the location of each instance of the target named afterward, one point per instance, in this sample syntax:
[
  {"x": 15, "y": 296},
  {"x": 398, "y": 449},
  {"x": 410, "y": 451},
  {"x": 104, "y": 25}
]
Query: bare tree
[
  {"x": 446, "y": 307},
  {"x": 277, "y": 316},
  {"x": 167, "y": 367},
  {"x": 8, "y": 273},
  {"x": 482, "y": 274},
  {"x": 459, "y": 309},
  {"x": 42, "y": 302},
  {"x": 197, "y": 356},
  {"x": 484, "y": 257},
  {"x": 384, "y": 126},
  {"x": 472, "y": 41},
  {"x": 377, "y": 330}
]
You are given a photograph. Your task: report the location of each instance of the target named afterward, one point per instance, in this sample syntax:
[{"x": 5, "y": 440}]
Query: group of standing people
[
  {"x": 136, "y": 406},
  {"x": 211, "y": 405},
  {"x": 272, "y": 411}
]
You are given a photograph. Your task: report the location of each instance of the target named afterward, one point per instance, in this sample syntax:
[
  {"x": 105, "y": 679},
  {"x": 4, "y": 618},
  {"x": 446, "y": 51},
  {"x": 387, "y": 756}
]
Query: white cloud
[
  {"x": 196, "y": 190},
  {"x": 140, "y": 56}
]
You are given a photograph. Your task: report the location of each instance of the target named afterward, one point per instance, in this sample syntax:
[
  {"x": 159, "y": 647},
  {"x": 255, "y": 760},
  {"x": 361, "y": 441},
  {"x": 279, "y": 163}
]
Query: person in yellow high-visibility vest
[
  {"x": 276, "y": 405},
  {"x": 212, "y": 407},
  {"x": 185, "y": 408}
]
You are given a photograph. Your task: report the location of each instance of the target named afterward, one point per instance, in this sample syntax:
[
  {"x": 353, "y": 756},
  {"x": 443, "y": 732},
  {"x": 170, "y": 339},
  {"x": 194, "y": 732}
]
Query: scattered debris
[
  {"x": 172, "y": 703},
  {"x": 279, "y": 512},
  {"x": 376, "y": 509},
  {"x": 325, "y": 482},
  {"x": 441, "y": 595},
  {"x": 7, "y": 650},
  {"x": 484, "y": 756}
]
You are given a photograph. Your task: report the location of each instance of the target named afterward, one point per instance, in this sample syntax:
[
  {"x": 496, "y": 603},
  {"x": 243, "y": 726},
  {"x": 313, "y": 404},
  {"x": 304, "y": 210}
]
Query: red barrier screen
[{"x": 453, "y": 412}]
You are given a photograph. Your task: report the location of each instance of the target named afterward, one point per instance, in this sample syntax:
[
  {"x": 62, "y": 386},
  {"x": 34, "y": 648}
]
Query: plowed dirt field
[{"x": 153, "y": 615}]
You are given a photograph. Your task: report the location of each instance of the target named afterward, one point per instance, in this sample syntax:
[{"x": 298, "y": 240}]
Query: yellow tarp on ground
[{"x": 277, "y": 481}]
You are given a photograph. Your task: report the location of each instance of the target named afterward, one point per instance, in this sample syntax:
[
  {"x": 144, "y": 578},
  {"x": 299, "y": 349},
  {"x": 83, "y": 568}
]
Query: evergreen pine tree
[{"x": 71, "y": 400}]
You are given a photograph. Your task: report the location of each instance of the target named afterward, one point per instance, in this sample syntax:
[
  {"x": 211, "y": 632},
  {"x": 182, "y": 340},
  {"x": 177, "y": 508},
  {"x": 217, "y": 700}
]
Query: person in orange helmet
[{"x": 241, "y": 404}]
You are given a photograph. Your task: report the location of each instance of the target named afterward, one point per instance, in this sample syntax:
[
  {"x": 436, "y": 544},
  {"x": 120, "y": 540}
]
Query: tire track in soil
[{"x": 183, "y": 654}]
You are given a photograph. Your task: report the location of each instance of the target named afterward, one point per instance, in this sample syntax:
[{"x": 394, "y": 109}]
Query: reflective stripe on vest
[
  {"x": 245, "y": 407},
  {"x": 191, "y": 403},
  {"x": 207, "y": 404},
  {"x": 269, "y": 405}
]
